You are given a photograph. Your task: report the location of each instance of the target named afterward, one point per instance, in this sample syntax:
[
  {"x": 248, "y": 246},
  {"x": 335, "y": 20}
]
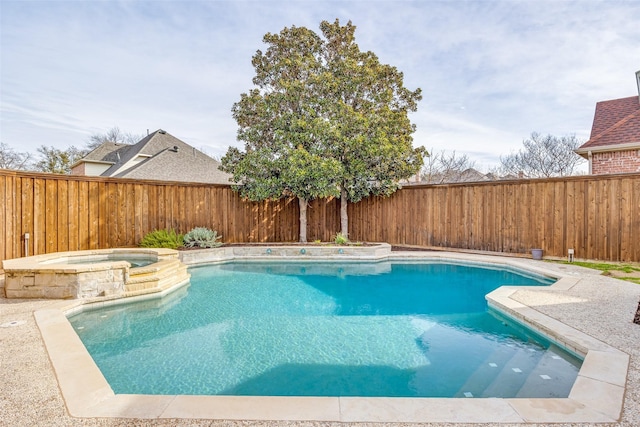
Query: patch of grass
[{"x": 607, "y": 268}]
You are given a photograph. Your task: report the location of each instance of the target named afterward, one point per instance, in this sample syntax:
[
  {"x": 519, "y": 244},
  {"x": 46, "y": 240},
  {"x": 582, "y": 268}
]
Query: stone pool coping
[{"x": 597, "y": 396}]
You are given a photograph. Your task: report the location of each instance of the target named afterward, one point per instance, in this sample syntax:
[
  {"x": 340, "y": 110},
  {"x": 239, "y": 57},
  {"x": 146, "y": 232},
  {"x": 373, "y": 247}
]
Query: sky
[{"x": 491, "y": 72}]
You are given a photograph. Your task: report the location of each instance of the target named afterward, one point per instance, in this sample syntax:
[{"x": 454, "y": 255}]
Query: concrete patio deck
[{"x": 596, "y": 311}]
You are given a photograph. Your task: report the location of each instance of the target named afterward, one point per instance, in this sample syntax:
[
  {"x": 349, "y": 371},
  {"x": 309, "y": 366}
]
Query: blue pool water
[{"x": 366, "y": 329}]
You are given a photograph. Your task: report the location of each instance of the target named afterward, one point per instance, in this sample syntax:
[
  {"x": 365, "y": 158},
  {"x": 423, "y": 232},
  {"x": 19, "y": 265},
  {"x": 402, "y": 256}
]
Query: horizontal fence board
[{"x": 597, "y": 216}]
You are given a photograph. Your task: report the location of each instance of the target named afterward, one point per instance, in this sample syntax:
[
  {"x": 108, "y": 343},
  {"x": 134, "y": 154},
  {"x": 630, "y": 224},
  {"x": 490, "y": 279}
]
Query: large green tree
[
  {"x": 325, "y": 120},
  {"x": 281, "y": 127},
  {"x": 367, "y": 106}
]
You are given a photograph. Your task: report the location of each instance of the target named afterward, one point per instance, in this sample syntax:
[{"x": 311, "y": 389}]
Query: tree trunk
[
  {"x": 303, "y": 219},
  {"x": 344, "y": 219}
]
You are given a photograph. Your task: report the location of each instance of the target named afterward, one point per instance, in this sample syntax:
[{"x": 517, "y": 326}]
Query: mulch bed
[
  {"x": 411, "y": 248},
  {"x": 298, "y": 244},
  {"x": 182, "y": 248}
]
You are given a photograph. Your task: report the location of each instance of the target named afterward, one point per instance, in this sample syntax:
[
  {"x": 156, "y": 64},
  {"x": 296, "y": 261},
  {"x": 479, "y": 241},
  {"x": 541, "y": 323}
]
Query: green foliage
[
  {"x": 324, "y": 120},
  {"x": 341, "y": 239},
  {"x": 162, "y": 239},
  {"x": 202, "y": 237},
  {"x": 372, "y": 133}
]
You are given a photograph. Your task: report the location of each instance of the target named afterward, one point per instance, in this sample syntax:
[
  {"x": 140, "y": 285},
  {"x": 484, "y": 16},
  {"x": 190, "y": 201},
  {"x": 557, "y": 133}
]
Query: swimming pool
[{"x": 318, "y": 329}]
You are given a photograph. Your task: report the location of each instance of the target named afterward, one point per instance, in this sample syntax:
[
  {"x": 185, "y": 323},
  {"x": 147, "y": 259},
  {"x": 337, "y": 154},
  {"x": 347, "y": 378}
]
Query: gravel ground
[{"x": 29, "y": 395}]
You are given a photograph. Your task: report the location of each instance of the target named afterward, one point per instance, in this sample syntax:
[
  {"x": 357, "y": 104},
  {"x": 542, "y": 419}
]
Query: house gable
[
  {"x": 158, "y": 156},
  {"x": 614, "y": 145}
]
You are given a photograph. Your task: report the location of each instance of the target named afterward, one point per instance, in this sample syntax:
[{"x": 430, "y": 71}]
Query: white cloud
[{"x": 491, "y": 72}]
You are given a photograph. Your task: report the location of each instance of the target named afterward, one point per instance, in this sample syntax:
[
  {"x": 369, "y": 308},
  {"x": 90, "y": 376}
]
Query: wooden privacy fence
[{"x": 597, "y": 216}]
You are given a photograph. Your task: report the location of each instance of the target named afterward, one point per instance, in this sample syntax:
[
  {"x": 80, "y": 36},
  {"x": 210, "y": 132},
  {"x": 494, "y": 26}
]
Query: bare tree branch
[
  {"x": 114, "y": 135},
  {"x": 543, "y": 157},
  {"x": 441, "y": 167},
  {"x": 12, "y": 159}
]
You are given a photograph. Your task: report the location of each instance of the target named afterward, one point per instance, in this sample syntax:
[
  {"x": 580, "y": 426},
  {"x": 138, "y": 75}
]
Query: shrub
[
  {"x": 162, "y": 239},
  {"x": 341, "y": 239},
  {"x": 202, "y": 237}
]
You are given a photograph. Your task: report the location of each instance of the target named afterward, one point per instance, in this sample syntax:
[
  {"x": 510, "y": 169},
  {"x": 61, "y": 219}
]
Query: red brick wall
[
  {"x": 615, "y": 162},
  {"x": 78, "y": 169}
]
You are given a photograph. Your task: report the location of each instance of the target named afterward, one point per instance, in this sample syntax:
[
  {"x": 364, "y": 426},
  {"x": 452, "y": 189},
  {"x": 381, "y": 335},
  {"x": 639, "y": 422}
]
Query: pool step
[
  {"x": 512, "y": 376},
  {"x": 156, "y": 277},
  {"x": 486, "y": 374},
  {"x": 552, "y": 377}
]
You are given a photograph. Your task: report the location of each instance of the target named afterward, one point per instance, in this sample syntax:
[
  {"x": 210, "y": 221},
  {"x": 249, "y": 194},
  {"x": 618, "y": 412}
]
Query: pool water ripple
[{"x": 405, "y": 329}]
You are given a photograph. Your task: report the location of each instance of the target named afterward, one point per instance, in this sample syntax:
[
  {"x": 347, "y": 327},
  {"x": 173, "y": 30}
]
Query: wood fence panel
[
  {"x": 591, "y": 219},
  {"x": 97, "y": 213},
  {"x": 151, "y": 193},
  {"x": 27, "y": 212},
  {"x": 83, "y": 216},
  {"x": 140, "y": 213},
  {"x": 51, "y": 216},
  {"x": 602, "y": 203},
  {"x": 73, "y": 215},
  {"x": 7, "y": 233},
  {"x": 580, "y": 218},
  {"x": 559, "y": 215},
  {"x": 504, "y": 200},
  {"x": 216, "y": 211},
  {"x": 160, "y": 203},
  {"x": 626, "y": 219},
  {"x": 127, "y": 235},
  {"x": 597, "y": 216},
  {"x": 62, "y": 227},
  {"x": 11, "y": 220},
  {"x": 613, "y": 219},
  {"x": 188, "y": 217},
  {"x": 39, "y": 213},
  {"x": 634, "y": 252},
  {"x": 570, "y": 214}
]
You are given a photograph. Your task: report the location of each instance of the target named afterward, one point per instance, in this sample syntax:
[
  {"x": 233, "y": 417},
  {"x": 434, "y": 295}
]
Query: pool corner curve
[{"x": 596, "y": 397}]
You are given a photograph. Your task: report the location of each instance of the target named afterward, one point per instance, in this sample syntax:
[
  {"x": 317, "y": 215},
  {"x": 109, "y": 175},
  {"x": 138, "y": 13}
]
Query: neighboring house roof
[
  {"x": 158, "y": 156},
  {"x": 467, "y": 175},
  {"x": 616, "y": 126},
  {"x": 106, "y": 152}
]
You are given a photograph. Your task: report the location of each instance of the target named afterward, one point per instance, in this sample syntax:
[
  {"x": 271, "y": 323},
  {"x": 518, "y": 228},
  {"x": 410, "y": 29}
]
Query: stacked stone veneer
[
  {"x": 615, "y": 162},
  {"x": 50, "y": 276},
  {"x": 64, "y": 283}
]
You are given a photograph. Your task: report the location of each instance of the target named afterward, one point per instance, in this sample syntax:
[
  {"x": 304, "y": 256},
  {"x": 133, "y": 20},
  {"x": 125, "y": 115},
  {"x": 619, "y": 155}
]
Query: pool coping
[{"x": 596, "y": 397}]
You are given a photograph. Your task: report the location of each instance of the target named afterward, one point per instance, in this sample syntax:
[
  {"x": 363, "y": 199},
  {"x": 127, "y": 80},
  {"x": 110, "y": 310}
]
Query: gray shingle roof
[
  {"x": 161, "y": 156},
  {"x": 106, "y": 152}
]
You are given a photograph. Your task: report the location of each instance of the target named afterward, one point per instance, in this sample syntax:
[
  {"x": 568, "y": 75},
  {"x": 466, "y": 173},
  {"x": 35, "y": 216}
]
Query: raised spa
[{"x": 94, "y": 274}]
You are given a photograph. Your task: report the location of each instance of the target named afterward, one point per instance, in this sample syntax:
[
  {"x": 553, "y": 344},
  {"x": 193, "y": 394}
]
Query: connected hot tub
[{"x": 108, "y": 273}]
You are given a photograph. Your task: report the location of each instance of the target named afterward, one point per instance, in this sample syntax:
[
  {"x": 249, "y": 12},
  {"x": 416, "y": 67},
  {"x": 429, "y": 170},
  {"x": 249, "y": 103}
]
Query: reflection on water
[{"x": 367, "y": 329}]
